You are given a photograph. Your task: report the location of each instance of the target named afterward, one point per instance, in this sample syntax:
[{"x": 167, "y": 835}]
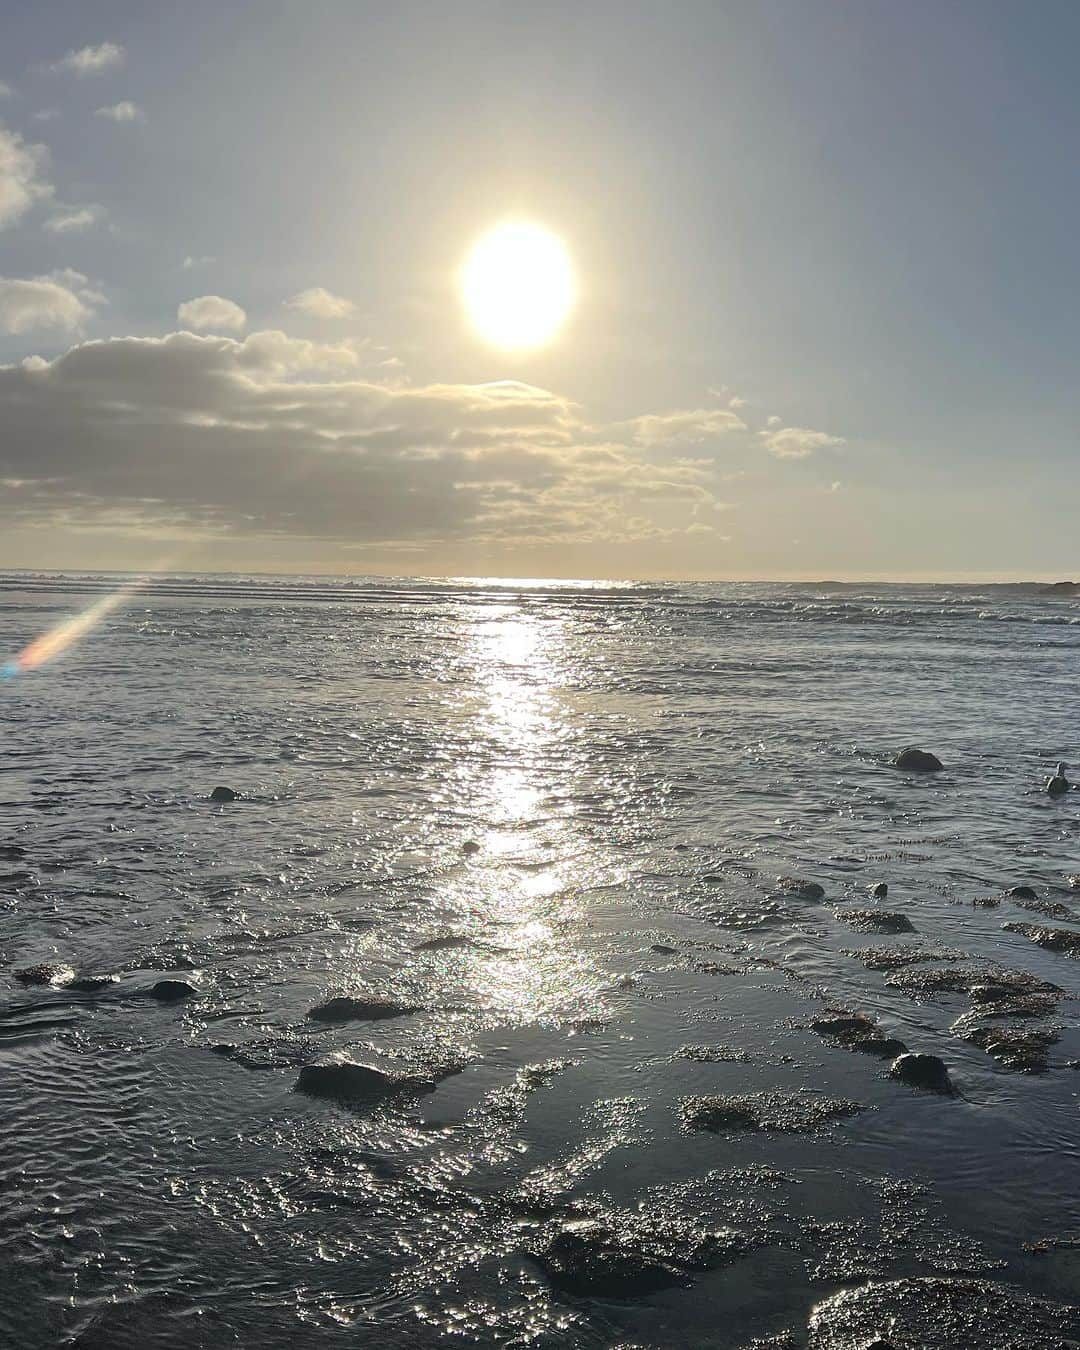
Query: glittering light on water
[{"x": 65, "y": 635}]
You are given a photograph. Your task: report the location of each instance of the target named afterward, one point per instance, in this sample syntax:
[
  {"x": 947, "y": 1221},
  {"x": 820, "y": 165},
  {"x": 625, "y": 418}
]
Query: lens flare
[{"x": 65, "y": 635}]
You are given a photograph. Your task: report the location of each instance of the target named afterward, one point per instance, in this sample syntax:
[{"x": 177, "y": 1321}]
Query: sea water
[{"x": 549, "y": 819}]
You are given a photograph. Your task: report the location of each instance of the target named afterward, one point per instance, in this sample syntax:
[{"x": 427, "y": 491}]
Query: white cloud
[
  {"x": 47, "y": 115},
  {"x": 271, "y": 436},
  {"x": 190, "y": 261},
  {"x": 773, "y": 421},
  {"x": 798, "y": 442},
  {"x": 211, "y": 311},
  {"x": 61, "y": 301},
  {"x": 91, "y": 60},
  {"x": 124, "y": 111},
  {"x": 693, "y": 426},
  {"x": 22, "y": 181},
  {"x": 70, "y": 220},
  {"x": 320, "y": 303},
  {"x": 6, "y": 90}
]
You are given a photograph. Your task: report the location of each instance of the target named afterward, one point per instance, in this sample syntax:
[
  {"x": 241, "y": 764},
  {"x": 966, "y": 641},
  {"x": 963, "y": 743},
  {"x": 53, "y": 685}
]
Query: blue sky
[{"x": 851, "y": 223}]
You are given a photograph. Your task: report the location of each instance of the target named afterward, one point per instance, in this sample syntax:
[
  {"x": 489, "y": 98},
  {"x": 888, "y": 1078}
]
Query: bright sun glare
[{"x": 517, "y": 285}]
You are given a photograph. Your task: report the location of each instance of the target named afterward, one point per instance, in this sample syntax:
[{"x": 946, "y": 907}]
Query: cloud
[
  {"x": 190, "y": 261},
  {"x": 271, "y": 436},
  {"x": 22, "y": 181},
  {"x": 91, "y": 60},
  {"x": 47, "y": 115},
  {"x": 62, "y": 300},
  {"x": 694, "y": 426},
  {"x": 320, "y": 303},
  {"x": 70, "y": 220},
  {"x": 124, "y": 111},
  {"x": 798, "y": 442},
  {"x": 211, "y": 311},
  {"x": 6, "y": 90}
]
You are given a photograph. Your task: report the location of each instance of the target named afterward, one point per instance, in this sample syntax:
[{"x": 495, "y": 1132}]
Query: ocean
[{"x": 593, "y": 863}]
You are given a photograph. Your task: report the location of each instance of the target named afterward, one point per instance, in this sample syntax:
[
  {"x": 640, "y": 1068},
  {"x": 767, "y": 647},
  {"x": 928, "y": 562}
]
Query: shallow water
[{"x": 638, "y": 765}]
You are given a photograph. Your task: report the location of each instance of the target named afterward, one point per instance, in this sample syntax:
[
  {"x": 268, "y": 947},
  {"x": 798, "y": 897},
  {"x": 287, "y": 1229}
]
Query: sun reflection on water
[{"x": 520, "y": 886}]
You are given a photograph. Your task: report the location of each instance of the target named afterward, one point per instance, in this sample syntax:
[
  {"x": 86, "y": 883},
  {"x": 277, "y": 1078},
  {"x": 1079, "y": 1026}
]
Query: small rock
[
  {"x": 922, "y": 761},
  {"x": 882, "y": 1047},
  {"x": 344, "y": 1080},
  {"x": 880, "y": 890},
  {"x": 844, "y": 1026},
  {"x": 54, "y": 973},
  {"x": 782, "y": 1113},
  {"x": 1053, "y": 939},
  {"x": 935, "y": 1313},
  {"x": 805, "y": 890},
  {"x": 662, "y": 949},
  {"x": 1021, "y": 893},
  {"x": 347, "y": 1009},
  {"x": 171, "y": 991},
  {"x": 1024, "y": 1049},
  {"x": 224, "y": 794},
  {"x": 922, "y": 1071},
  {"x": 875, "y": 920},
  {"x": 858, "y": 1032},
  {"x": 470, "y": 846},
  {"x": 986, "y": 902}
]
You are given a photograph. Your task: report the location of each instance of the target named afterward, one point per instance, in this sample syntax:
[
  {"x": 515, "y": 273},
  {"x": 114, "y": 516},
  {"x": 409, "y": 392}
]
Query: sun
[{"x": 517, "y": 285}]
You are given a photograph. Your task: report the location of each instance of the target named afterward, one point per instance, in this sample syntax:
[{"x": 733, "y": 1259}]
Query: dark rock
[
  {"x": 1049, "y": 909},
  {"x": 344, "y": 1080},
  {"x": 1053, "y": 939},
  {"x": 1021, "y": 893},
  {"x": 625, "y": 1255},
  {"x": 879, "y": 891},
  {"x": 171, "y": 991},
  {"x": 1073, "y": 881},
  {"x": 875, "y": 920},
  {"x": 713, "y": 1054},
  {"x": 777, "y": 1112},
  {"x": 922, "y": 761},
  {"x": 937, "y": 1313},
  {"x": 346, "y": 1009},
  {"x": 845, "y": 1026},
  {"x": 986, "y": 901},
  {"x": 662, "y": 949},
  {"x": 882, "y": 1047},
  {"x": 1060, "y": 588},
  {"x": 804, "y": 890},
  {"x": 858, "y": 1032},
  {"x": 1023, "y": 1049},
  {"x": 922, "y": 981},
  {"x": 922, "y": 1071},
  {"x": 48, "y": 972},
  {"x": 896, "y": 957},
  {"x": 224, "y": 794},
  {"x": 470, "y": 846}
]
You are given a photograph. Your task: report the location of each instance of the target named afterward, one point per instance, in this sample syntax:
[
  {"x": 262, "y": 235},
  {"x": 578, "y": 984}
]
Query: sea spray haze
[{"x": 596, "y": 1075}]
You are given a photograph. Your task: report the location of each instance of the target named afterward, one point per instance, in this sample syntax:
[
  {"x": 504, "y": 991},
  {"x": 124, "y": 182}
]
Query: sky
[{"x": 825, "y": 258}]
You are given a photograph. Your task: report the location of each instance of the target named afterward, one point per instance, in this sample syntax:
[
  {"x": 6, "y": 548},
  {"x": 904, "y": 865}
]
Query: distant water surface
[{"x": 638, "y": 765}]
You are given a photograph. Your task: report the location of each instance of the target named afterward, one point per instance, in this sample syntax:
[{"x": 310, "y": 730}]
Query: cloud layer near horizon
[{"x": 195, "y": 436}]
